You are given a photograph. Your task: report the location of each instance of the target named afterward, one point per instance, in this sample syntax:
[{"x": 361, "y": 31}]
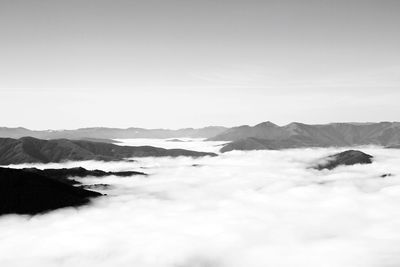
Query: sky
[{"x": 170, "y": 64}]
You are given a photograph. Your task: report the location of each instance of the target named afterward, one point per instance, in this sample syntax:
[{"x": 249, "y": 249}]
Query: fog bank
[{"x": 240, "y": 209}]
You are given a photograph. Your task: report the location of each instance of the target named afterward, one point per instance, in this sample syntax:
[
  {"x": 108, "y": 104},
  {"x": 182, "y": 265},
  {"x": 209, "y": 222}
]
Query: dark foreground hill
[
  {"x": 32, "y": 150},
  {"x": 25, "y": 192},
  {"x": 349, "y": 157},
  {"x": 270, "y": 136}
]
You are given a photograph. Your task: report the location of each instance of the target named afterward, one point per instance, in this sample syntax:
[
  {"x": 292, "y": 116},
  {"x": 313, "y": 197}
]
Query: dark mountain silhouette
[
  {"x": 112, "y": 133},
  {"x": 32, "y": 150},
  {"x": 270, "y": 136},
  {"x": 25, "y": 192},
  {"x": 349, "y": 157},
  {"x": 64, "y": 173}
]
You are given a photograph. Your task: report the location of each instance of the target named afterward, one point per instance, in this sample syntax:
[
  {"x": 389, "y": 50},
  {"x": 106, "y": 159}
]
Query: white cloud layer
[{"x": 241, "y": 209}]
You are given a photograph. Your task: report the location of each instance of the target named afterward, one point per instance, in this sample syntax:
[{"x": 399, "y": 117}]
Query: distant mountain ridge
[
  {"x": 33, "y": 150},
  {"x": 266, "y": 135},
  {"x": 112, "y": 133},
  {"x": 271, "y": 136}
]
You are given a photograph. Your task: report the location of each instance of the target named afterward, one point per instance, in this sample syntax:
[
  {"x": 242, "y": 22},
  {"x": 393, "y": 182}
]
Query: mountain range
[
  {"x": 267, "y": 135},
  {"x": 103, "y": 133},
  {"x": 33, "y": 150}
]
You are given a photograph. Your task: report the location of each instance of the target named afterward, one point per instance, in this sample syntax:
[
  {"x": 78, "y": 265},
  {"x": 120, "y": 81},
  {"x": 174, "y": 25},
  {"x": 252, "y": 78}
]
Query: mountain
[
  {"x": 112, "y": 133},
  {"x": 33, "y": 150},
  {"x": 270, "y": 136},
  {"x": 265, "y": 130},
  {"x": 25, "y": 192},
  {"x": 349, "y": 157}
]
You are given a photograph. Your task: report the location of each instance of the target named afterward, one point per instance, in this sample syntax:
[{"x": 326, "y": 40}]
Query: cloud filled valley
[{"x": 255, "y": 208}]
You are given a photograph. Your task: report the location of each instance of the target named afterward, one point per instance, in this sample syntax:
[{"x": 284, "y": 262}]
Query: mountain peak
[{"x": 266, "y": 124}]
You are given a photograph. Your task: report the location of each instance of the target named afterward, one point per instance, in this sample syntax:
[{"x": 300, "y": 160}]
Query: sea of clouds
[{"x": 240, "y": 209}]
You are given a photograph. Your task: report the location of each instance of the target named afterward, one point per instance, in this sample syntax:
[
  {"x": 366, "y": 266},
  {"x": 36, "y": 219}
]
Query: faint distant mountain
[
  {"x": 112, "y": 133},
  {"x": 33, "y": 150},
  {"x": 270, "y": 136}
]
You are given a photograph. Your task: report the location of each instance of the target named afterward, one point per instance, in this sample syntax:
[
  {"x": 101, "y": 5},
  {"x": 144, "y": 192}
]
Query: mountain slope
[
  {"x": 32, "y": 150},
  {"x": 266, "y": 144}
]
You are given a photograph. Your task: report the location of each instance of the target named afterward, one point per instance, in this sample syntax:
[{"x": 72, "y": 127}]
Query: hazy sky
[{"x": 78, "y": 63}]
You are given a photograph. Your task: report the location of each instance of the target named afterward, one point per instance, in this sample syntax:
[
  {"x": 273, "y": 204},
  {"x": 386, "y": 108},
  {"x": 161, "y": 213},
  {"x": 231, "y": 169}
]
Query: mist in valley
[{"x": 258, "y": 208}]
